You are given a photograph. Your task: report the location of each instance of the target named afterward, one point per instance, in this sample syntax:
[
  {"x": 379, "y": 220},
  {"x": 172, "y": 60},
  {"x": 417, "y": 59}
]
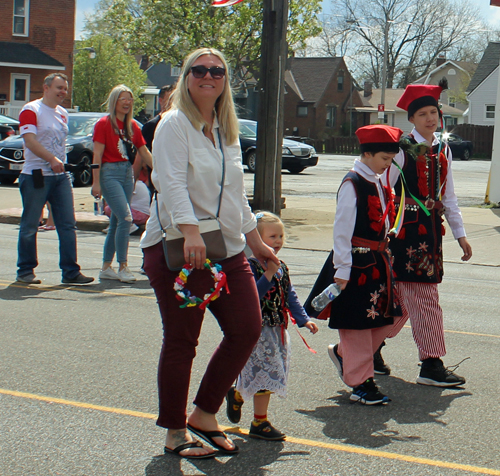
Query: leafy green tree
[
  {"x": 167, "y": 30},
  {"x": 93, "y": 78}
]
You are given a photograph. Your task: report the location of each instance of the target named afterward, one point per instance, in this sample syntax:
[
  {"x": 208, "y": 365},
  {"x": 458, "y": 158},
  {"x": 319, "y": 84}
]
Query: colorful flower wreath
[{"x": 189, "y": 300}]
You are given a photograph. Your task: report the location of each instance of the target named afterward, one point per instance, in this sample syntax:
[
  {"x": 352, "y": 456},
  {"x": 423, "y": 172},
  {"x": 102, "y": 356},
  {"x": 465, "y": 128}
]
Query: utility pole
[
  {"x": 381, "y": 107},
  {"x": 267, "y": 186}
]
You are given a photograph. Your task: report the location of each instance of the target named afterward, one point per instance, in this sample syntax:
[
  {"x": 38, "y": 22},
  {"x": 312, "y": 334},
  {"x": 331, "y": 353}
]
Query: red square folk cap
[
  {"x": 379, "y": 138},
  {"x": 417, "y": 96}
]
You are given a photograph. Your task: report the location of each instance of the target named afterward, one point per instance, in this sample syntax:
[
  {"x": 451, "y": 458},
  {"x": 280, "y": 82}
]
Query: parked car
[
  {"x": 460, "y": 148},
  {"x": 79, "y": 147},
  {"x": 8, "y": 126},
  {"x": 296, "y": 156},
  {"x": 6, "y": 131}
]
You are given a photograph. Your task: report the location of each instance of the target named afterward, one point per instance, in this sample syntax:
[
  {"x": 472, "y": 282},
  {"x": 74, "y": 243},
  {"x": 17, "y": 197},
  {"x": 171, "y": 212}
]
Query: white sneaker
[
  {"x": 133, "y": 228},
  {"x": 125, "y": 276},
  {"x": 108, "y": 273}
]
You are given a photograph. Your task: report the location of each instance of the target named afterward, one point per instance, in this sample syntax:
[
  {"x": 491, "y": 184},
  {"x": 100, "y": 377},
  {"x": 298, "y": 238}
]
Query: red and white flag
[{"x": 224, "y": 3}]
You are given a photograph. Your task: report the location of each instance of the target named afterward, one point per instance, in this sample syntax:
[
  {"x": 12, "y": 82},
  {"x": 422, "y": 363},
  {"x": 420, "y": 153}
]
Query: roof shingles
[
  {"x": 488, "y": 64},
  {"x": 312, "y": 75},
  {"x": 24, "y": 53}
]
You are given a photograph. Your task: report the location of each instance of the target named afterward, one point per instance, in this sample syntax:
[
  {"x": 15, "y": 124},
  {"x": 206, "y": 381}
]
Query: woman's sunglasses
[{"x": 200, "y": 71}]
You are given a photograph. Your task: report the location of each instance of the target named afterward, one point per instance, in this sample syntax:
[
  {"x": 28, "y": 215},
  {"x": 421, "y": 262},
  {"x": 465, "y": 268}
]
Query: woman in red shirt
[{"x": 114, "y": 138}]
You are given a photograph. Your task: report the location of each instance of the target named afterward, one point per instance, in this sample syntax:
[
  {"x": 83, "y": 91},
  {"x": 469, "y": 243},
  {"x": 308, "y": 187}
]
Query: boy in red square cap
[
  {"x": 360, "y": 264},
  {"x": 417, "y": 248}
]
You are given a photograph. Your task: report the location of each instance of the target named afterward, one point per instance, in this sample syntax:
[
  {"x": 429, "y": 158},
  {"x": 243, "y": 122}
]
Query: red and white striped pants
[
  {"x": 420, "y": 303},
  {"x": 356, "y": 347}
]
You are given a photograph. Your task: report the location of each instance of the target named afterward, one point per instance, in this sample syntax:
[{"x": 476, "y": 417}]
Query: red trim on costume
[
  {"x": 423, "y": 187},
  {"x": 375, "y": 213},
  {"x": 422, "y": 230},
  {"x": 444, "y": 171}
]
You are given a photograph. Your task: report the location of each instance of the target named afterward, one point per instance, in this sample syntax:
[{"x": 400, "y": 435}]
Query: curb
[{"x": 84, "y": 221}]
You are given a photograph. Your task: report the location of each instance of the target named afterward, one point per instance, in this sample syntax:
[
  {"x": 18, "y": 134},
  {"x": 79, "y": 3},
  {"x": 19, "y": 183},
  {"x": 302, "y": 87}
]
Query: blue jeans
[
  {"x": 117, "y": 186},
  {"x": 58, "y": 192}
]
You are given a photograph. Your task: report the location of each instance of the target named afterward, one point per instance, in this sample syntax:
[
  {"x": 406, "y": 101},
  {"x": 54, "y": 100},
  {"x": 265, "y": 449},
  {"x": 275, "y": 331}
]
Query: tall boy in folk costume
[
  {"x": 428, "y": 194},
  {"x": 363, "y": 312}
]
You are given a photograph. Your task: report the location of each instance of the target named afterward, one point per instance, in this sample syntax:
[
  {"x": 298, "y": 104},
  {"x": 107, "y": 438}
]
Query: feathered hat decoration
[{"x": 417, "y": 96}]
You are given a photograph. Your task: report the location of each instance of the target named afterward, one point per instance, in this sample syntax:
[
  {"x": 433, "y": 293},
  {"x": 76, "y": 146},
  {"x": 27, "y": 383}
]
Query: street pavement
[{"x": 78, "y": 384}]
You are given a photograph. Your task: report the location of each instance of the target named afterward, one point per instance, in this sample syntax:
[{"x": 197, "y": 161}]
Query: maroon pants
[{"x": 239, "y": 318}]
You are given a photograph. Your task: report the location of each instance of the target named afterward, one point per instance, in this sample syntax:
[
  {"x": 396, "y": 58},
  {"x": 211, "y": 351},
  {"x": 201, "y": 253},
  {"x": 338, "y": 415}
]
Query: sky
[{"x": 488, "y": 12}]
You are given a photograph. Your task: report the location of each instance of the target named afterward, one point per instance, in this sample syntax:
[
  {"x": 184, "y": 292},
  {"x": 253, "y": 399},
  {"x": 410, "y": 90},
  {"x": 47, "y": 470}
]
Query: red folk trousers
[{"x": 420, "y": 303}]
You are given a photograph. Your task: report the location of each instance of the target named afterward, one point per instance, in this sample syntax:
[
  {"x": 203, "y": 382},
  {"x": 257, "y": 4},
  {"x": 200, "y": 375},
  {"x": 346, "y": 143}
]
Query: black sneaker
[
  {"x": 368, "y": 394},
  {"x": 379, "y": 366},
  {"x": 336, "y": 359},
  {"x": 434, "y": 373},
  {"x": 233, "y": 408},
  {"x": 78, "y": 279},
  {"x": 266, "y": 431}
]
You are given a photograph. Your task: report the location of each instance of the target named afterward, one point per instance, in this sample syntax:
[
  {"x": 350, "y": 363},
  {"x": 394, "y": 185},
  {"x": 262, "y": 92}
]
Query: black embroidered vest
[
  {"x": 274, "y": 304},
  {"x": 417, "y": 250}
]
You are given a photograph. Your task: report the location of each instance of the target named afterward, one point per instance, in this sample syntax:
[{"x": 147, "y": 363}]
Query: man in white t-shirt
[{"x": 44, "y": 127}]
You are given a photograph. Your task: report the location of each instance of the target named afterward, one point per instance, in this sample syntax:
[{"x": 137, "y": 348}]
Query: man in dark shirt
[{"x": 148, "y": 130}]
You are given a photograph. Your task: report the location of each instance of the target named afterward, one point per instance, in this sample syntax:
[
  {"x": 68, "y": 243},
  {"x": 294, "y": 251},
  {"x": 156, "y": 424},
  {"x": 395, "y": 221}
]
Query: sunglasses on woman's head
[{"x": 200, "y": 71}]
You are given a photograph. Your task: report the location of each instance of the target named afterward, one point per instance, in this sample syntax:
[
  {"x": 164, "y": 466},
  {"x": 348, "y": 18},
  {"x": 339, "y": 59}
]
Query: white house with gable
[{"x": 482, "y": 90}]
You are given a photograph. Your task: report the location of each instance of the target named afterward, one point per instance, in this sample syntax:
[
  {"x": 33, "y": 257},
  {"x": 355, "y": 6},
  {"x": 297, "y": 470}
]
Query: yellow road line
[
  {"x": 289, "y": 439},
  {"x": 73, "y": 403}
]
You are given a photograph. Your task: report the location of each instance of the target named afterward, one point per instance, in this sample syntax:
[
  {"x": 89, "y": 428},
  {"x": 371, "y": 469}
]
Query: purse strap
[
  {"x": 223, "y": 174},
  {"x": 221, "y": 188}
]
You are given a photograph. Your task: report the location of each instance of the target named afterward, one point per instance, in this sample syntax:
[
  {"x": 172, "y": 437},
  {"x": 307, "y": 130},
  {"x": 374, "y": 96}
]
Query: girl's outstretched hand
[{"x": 311, "y": 326}]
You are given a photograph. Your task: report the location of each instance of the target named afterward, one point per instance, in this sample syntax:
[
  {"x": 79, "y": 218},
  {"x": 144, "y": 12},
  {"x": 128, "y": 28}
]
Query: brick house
[
  {"x": 321, "y": 98},
  {"x": 36, "y": 39}
]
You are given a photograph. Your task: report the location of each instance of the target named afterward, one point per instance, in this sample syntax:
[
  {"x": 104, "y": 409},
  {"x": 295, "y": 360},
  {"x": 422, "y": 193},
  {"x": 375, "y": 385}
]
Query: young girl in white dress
[{"x": 266, "y": 371}]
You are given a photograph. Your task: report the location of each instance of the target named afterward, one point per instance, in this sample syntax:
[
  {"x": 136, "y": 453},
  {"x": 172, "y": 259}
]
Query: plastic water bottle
[
  {"x": 98, "y": 206},
  {"x": 328, "y": 295}
]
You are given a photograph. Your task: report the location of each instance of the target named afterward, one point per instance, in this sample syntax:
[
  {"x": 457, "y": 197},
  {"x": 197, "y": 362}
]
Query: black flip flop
[
  {"x": 209, "y": 436},
  {"x": 185, "y": 446}
]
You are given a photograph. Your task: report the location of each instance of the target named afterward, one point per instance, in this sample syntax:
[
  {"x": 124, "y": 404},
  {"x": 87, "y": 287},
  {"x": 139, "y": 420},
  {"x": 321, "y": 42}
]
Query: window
[
  {"x": 301, "y": 111},
  {"x": 331, "y": 115},
  {"x": 19, "y": 88},
  {"x": 340, "y": 81},
  {"x": 21, "y": 17},
  {"x": 452, "y": 72},
  {"x": 175, "y": 71},
  {"x": 490, "y": 111}
]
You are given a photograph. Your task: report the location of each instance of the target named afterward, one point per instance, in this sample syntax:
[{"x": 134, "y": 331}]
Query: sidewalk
[{"x": 309, "y": 225}]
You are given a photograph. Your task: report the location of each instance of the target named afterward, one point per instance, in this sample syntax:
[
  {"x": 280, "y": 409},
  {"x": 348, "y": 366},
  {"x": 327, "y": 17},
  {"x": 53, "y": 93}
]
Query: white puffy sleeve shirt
[
  {"x": 345, "y": 218},
  {"x": 450, "y": 201},
  {"x": 187, "y": 172}
]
